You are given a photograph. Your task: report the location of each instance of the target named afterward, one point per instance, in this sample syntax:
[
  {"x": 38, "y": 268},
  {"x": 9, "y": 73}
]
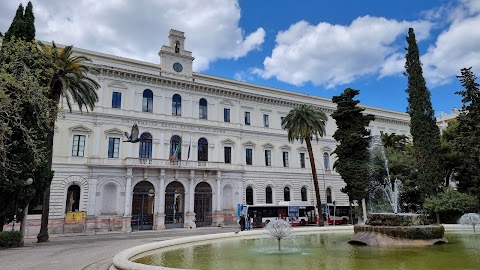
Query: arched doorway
[
  {"x": 174, "y": 205},
  {"x": 142, "y": 206},
  {"x": 203, "y": 205},
  {"x": 73, "y": 199}
]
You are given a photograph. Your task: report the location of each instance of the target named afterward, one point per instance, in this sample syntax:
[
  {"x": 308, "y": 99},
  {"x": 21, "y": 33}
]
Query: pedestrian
[
  {"x": 242, "y": 223},
  {"x": 249, "y": 223}
]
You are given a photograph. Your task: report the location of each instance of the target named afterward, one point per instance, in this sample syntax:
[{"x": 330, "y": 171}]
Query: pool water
[{"x": 319, "y": 251}]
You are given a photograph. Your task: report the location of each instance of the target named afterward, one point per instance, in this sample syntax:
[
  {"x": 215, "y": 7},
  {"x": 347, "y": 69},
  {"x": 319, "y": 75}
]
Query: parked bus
[
  {"x": 341, "y": 215},
  {"x": 296, "y": 213}
]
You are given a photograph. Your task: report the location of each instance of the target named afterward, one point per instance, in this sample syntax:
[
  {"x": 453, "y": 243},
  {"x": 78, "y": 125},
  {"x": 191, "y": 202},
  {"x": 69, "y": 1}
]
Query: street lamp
[{"x": 27, "y": 182}]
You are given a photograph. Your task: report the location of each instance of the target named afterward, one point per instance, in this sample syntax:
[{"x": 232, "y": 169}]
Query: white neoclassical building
[{"x": 207, "y": 144}]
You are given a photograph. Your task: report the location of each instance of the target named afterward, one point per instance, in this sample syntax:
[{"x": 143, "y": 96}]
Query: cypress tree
[
  {"x": 17, "y": 26},
  {"x": 468, "y": 135},
  {"x": 425, "y": 133},
  {"x": 352, "y": 153},
  {"x": 29, "y": 23}
]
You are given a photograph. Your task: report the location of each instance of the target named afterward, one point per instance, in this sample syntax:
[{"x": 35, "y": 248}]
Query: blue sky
[{"x": 309, "y": 46}]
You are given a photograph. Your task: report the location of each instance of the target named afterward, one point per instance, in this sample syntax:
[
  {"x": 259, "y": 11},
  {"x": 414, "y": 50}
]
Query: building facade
[{"x": 206, "y": 145}]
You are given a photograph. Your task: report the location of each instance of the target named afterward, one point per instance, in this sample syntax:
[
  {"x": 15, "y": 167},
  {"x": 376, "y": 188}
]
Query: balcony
[{"x": 161, "y": 164}]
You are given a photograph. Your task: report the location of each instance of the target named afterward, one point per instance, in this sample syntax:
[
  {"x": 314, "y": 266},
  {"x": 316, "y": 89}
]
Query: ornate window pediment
[
  {"x": 228, "y": 142},
  {"x": 286, "y": 147},
  {"x": 114, "y": 131},
  {"x": 302, "y": 149},
  {"x": 326, "y": 149},
  {"x": 268, "y": 146},
  {"x": 117, "y": 85},
  {"x": 80, "y": 129},
  {"x": 249, "y": 143},
  {"x": 227, "y": 102}
]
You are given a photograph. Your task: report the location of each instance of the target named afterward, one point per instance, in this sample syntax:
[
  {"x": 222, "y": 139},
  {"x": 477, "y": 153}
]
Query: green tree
[
  {"x": 425, "y": 133},
  {"x": 450, "y": 200},
  {"x": 24, "y": 123},
  {"x": 468, "y": 135},
  {"x": 29, "y": 23},
  {"x": 394, "y": 141},
  {"x": 352, "y": 153},
  {"x": 302, "y": 123},
  {"x": 68, "y": 78},
  {"x": 451, "y": 158},
  {"x": 16, "y": 28}
]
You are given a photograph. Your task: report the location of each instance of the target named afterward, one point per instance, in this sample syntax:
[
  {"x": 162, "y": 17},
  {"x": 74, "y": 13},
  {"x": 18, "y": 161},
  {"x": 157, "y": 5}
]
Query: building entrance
[
  {"x": 203, "y": 205},
  {"x": 142, "y": 206},
  {"x": 174, "y": 205}
]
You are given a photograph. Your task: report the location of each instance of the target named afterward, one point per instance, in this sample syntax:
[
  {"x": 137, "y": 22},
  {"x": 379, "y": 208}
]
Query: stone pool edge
[{"x": 121, "y": 261}]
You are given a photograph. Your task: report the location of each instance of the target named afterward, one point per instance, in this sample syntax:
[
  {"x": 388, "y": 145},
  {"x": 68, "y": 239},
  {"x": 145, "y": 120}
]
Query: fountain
[
  {"x": 470, "y": 219},
  {"x": 279, "y": 229},
  {"x": 386, "y": 225}
]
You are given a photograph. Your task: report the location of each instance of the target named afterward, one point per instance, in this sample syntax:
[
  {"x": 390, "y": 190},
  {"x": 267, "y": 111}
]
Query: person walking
[
  {"x": 249, "y": 223},
  {"x": 242, "y": 223}
]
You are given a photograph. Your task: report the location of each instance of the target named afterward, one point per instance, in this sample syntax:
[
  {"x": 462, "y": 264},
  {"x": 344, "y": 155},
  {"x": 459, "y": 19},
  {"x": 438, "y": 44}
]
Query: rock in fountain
[
  {"x": 392, "y": 229},
  {"x": 279, "y": 229}
]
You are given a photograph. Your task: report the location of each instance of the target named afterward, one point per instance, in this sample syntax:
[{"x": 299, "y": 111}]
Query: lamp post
[{"x": 28, "y": 182}]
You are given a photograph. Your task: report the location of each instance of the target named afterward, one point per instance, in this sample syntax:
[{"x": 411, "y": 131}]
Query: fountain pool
[{"x": 317, "y": 251}]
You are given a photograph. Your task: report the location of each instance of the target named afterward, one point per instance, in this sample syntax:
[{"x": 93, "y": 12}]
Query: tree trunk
[
  {"x": 43, "y": 234},
  {"x": 315, "y": 181},
  {"x": 438, "y": 217}
]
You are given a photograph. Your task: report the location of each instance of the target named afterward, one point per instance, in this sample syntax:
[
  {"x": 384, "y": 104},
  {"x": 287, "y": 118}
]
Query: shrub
[{"x": 10, "y": 239}]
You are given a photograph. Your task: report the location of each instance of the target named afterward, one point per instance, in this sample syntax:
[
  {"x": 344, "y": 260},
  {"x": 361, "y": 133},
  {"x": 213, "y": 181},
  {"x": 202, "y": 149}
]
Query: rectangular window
[
  {"x": 268, "y": 157},
  {"x": 302, "y": 160},
  {"x": 117, "y": 100},
  {"x": 266, "y": 123},
  {"x": 247, "y": 118},
  {"x": 285, "y": 159},
  {"x": 226, "y": 115},
  {"x": 281, "y": 122},
  {"x": 78, "y": 148},
  {"x": 227, "y": 154},
  {"x": 113, "y": 147},
  {"x": 249, "y": 156}
]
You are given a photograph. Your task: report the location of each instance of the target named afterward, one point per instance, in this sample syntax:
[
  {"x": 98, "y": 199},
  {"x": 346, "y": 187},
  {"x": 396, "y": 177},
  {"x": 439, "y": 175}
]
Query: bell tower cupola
[{"x": 175, "y": 61}]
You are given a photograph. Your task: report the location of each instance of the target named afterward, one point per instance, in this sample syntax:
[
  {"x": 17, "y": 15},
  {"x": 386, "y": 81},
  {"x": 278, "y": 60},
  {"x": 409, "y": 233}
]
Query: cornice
[{"x": 115, "y": 72}]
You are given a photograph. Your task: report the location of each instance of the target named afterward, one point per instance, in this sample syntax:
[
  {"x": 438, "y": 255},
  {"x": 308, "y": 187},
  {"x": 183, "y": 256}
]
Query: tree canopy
[
  {"x": 425, "y": 133},
  {"x": 302, "y": 123},
  {"x": 352, "y": 153}
]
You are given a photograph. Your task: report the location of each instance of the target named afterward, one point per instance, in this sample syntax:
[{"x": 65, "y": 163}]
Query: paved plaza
[{"x": 77, "y": 252}]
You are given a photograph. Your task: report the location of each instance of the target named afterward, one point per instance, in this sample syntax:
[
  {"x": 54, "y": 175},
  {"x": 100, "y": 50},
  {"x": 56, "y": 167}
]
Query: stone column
[
  {"x": 127, "y": 214},
  {"x": 92, "y": 199},
  {"x": 161, "y": 202},
  {"x": 218, "y": 220},
  {"x": 190, "y": 218},
  {"x": 96, "y": 139}
]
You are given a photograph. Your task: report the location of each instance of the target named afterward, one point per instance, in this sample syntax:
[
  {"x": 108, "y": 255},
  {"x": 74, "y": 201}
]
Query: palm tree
[
  {"x": 68, "y": 78},
  {"x": 302, "y": 123}
]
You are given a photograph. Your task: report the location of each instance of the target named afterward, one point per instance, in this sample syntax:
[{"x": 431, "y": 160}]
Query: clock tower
[{"x": 175, "y": 61}]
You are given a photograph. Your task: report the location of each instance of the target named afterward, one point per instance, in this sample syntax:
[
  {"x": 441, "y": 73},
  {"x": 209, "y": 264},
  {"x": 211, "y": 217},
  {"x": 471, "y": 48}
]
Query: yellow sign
[{"x": 75, "y": 215}]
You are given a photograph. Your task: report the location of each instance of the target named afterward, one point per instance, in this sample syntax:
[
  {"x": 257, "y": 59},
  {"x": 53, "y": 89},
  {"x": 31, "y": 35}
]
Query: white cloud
[
  {"x": 456, "y": 47},
  {"x": 137, "y": 29},
  {"x": 331, "y": 55}
]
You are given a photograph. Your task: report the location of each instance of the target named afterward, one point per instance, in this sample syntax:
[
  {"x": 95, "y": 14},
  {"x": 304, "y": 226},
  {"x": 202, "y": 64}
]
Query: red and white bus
[
  {"x": 296, "y": 213},
  {"x": 341, "y": 215}
]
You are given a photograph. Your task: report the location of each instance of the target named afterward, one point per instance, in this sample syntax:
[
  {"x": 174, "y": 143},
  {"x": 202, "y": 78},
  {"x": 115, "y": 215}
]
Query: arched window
[
  {"x": 329, "y": 195},
  {"x": 147, "y": 104},
  {"x": 286, "y": 194},
  {"x": 249, "y": 196},
  {"x": 73, "y": 199},
  {"x": 145, "y": 150},
  {"x": 202, "y": 149},
  {"x": 203, "y": 109},
  {"x": 175, "y": 148},
  {"x": 177, "y": 47},
  {"x": 303, "y": 192},
  {"x": 177, "y": 105},
  {"x": 326, "y": 161},
  {"x": 268, "y": 195}
]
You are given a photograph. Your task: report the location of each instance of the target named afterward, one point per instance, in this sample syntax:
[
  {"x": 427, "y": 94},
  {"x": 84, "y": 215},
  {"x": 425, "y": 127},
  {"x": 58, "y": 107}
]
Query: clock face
[{"x": 177, "y": 67}]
